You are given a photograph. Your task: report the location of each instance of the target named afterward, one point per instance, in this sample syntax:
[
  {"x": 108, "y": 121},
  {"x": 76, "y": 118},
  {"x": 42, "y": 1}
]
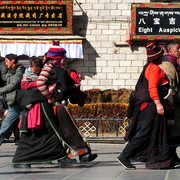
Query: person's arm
[
  {"x": 154, "y": 76},
  {"x": 42, "y": 79},
  {"x": 15, "y": 83},
  {"x": 4, "y": 72},
  {"x": 159, "y": 107}
]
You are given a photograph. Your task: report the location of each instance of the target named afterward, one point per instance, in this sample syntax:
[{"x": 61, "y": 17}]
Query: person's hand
[
  {"x": 159, "y": 107},
  {"x": 5, "y": 113},
  {"x": 51, "y": 100}
]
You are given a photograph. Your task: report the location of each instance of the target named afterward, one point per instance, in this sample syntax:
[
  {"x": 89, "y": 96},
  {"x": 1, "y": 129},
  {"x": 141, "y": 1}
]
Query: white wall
[{"x": 109, "y": 63}]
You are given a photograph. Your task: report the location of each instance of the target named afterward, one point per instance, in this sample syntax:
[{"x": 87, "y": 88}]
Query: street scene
[
  {"x": 105, "y": 167},
  {"x": 89, "y": 90}
]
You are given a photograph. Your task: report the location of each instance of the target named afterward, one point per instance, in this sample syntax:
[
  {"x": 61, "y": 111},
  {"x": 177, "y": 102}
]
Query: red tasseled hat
[{"x": 55, "y": 51}]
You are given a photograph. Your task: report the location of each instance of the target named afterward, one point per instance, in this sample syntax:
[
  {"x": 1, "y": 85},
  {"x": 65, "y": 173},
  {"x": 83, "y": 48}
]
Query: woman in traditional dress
[
  {"x": 40, "y": 140},
  {"x": 148, "y": 132},
  {"x": 61, "y": 123},
  {"x": 68, "y": 90}
]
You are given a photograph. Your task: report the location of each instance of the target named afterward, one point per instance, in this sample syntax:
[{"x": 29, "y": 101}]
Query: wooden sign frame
[
  {"x": 36, "y": 17},
  {"x": 155, "y": 21}
]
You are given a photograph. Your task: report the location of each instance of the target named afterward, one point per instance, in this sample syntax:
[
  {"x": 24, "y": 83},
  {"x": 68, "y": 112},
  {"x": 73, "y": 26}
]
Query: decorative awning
[{"x": 31, "y": 48}]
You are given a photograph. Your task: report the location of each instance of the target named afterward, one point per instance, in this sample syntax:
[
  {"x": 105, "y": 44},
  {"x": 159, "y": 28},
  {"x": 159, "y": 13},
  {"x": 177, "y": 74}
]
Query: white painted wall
[{"x": 104, "y": 24}]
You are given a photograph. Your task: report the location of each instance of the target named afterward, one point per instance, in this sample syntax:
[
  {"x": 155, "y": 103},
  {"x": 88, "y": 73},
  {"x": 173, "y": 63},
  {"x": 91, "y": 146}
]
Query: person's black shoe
[
  {"x": 87, "y": 157},
  {"x": 66, "y": 162},
  {"x": 125, "y": 163},
  {"x": 25, "y": 166}
]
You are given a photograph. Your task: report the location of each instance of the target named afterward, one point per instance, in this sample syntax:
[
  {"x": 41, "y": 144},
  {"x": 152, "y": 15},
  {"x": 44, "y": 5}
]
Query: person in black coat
[
  {"x": 67, "y": 87},
  {"x": 69, "y": 90}
]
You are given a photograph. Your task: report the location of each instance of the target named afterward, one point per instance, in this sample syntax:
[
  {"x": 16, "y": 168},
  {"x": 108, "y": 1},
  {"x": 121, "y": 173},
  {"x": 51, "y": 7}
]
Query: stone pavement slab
[{"x": 105, "y": 167}]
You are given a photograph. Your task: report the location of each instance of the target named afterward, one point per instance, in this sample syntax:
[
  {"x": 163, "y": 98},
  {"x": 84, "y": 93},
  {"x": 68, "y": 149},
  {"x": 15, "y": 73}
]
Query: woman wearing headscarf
[{"x": 148, "y": 132}]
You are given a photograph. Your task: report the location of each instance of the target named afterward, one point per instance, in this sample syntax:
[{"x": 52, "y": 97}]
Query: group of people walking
[
  {"x": 48, "y": 131},
  {"x": 154, "y": 130}
]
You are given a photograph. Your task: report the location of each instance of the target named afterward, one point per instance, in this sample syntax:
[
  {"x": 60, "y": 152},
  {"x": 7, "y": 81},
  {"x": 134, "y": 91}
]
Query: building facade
[
  {"x": 109, "y": 62},
  {"x": 104, "y": 58}
]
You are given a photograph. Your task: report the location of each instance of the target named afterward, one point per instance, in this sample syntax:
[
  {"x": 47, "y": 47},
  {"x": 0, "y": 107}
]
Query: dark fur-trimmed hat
[{"x": 154, "y": 51}]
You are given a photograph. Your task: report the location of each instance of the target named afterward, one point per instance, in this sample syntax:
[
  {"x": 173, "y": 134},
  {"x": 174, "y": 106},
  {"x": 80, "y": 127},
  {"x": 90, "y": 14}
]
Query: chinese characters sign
[
  {"x": 155, "y": 21},
  {"x": 36, "y": 17}
]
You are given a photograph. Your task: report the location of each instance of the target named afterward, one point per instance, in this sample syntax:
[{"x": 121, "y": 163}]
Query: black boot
[
  {"x": 66, "y": 162},
  {"x": 126, "y": 163},
  {"x": 87, "y": 157}
]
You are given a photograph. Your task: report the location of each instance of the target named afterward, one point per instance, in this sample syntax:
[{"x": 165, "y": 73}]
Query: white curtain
[{"x": 74, "y": 48}]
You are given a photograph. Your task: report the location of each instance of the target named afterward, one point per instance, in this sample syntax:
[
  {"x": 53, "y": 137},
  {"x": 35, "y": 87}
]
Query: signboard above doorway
[
  {"x": 36, "y": 17},
  {"x": 155, "y": 21}
]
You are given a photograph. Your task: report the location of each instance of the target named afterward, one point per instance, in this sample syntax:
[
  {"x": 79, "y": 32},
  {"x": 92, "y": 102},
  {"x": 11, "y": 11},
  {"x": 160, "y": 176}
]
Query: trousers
[{"x": 13, "y": 113}]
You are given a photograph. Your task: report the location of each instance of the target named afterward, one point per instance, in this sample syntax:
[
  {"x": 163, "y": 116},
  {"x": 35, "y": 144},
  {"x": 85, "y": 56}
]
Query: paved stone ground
[{"x": 105, "y": 167}]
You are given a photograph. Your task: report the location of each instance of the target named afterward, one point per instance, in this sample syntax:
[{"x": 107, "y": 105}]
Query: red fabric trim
[
  {"x": 54, "y": 108},
  {"x": 34, "y": 118},
  {"x": 143, "y": 106}
]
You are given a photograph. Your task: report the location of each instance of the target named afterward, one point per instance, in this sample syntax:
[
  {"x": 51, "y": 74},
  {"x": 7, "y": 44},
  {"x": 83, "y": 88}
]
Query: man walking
[
  {"x": 172, "y": 69},
  {"x": 11, "y": 73}
]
